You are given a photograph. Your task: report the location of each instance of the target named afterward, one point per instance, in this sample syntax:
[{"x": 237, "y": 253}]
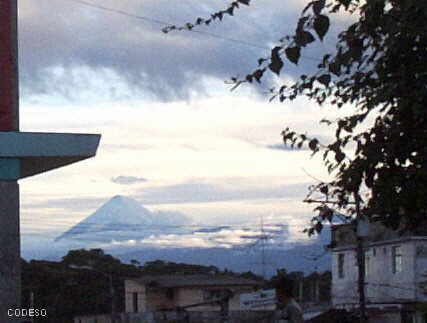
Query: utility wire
[{"x": 164, "y": 23}]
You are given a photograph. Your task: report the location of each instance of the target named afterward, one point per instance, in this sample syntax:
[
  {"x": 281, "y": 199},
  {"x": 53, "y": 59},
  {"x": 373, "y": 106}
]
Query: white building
[{"x": 395, "y": 271}]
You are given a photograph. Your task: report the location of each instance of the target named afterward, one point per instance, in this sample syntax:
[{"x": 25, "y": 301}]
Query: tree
[
  {"x": 95, "y": 258},
  {"x": 378, "y": 68}
]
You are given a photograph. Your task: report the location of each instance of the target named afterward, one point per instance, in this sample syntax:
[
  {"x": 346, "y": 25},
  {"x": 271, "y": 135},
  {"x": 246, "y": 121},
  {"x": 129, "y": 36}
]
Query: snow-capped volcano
[{"x": 123, "y": 218}]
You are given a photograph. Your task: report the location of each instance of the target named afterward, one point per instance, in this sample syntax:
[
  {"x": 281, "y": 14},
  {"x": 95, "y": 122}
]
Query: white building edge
[{"x": 395, "y": 272}]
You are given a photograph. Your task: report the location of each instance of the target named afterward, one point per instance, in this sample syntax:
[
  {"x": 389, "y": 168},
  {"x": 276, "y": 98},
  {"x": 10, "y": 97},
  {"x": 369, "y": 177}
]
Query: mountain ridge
[{"x": 120, "y": 217}]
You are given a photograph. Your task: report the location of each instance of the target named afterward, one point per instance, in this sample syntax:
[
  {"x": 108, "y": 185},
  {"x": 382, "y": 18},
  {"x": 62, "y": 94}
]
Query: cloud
[
  {"x": 127, "y": 180},
  {"x": 198, "y": 191},
  {"x": 283, "y": 147},
  {"x": 220, "y": 237},
  {"x": 71, "y": 204},
  {"x": 81, "y": 51}
]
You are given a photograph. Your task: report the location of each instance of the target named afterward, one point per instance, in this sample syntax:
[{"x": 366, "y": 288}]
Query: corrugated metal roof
[{"x": 169, "y": 281}]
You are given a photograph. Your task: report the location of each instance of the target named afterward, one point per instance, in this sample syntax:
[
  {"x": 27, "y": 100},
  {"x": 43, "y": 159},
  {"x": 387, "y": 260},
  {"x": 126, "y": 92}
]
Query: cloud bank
[{"x": 78, "y": 50}]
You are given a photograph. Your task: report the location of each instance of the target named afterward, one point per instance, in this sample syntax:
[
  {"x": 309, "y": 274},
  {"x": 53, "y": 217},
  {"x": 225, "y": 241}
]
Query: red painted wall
[{"x": 9, "y": 120}]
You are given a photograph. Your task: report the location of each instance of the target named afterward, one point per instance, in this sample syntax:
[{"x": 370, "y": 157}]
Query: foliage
[
  {"x": 95, "y": 258},
  {"x": 65, "y": 291},
  {"x": 378, "y": 157},
  {"x": 308, "y": 284}
]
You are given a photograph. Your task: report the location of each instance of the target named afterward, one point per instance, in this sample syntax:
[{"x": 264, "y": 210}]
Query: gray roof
[{"x": 169, "y": 281}]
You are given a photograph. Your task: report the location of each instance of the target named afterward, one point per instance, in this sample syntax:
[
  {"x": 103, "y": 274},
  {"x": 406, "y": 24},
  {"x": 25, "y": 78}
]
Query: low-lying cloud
[{"x": 128, "y": 180}]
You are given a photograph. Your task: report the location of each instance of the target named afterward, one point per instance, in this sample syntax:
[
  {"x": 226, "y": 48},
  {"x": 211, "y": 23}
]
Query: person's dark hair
[{"x": 285, "y": 285}]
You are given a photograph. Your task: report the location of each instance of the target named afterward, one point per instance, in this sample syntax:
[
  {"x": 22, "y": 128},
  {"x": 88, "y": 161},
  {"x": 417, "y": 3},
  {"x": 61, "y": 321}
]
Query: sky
[{"x": 174, "y": 137}]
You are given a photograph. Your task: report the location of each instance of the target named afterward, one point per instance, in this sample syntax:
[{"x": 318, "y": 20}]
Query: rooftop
[
  {"x": 343, "y": 235},
  {"x": 169, "y": 281}
]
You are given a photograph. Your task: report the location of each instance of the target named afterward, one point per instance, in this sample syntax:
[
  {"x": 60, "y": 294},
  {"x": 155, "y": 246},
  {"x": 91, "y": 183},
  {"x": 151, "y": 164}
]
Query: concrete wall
[
  {"x": 132, "y": 287},
  {"x": 393, "y": 317},
  {"x": 152, "y": 299},
  {"x": 382, "y": 285},
  {"x": 421, "y": 270},
  {"x": 174, "y": 317},
  {"x": 159, "y": 298},
  {"x": 344, "y": 290},
  {"x": 188, "y": 296},
  {"x": 10, "y": 261}
]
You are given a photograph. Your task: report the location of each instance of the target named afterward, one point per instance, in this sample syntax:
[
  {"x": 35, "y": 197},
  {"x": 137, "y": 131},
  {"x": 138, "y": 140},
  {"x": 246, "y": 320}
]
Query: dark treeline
[{"x": 79, "y": 284}]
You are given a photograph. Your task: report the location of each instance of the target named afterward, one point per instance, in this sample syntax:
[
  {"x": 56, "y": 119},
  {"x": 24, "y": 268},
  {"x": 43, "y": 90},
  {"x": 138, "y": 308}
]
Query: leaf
[
  {"x": 328, "y": 215},
  {"x": 313, "y": 144},
  {"x": 324, "y": 189},
  {"x": 321, "y": 25},
  {"x": 276, "y": 62},
  {"x": 245, "y": 2},
  {"x": 318, "y": 6},
  {"x": 293, "y": 54},
  {"x": 303, "y": 38},
  {"x": 301, "y": 23},
  {"x": 324, "y": 79},
  {"x": 230, "y": 11},
  {"x": 339, "y": 156},
  {"x": 258, "y": 74},
  {"x": 318, "y": 227},
  {"x": 335, "y": 68}
]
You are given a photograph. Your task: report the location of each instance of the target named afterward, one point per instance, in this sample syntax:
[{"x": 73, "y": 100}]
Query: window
[
  {"x": 135, "y": 302},
  {"x": 396, "y": 254},
  {"x": 367, "y": 263},
  {"x": 341, "y": 265},
  {"x": 170, "y": 292},
  {"x": 211, "y": 294}
]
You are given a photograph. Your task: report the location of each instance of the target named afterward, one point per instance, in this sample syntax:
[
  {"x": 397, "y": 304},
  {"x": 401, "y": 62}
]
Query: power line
[
  {"x": 121, "y": 12},
  {"x": 164, "y": 23}
]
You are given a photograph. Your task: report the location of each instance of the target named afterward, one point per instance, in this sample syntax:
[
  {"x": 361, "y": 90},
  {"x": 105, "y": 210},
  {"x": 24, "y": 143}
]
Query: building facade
[
  {"x": 167, "y": 292},
  {"x": 395, "y": 270}
]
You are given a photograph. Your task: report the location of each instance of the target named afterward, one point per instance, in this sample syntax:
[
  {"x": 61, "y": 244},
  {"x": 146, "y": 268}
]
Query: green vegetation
[
  {"x": 65, "y": 291},
  {"x": 378, "y": 158}
]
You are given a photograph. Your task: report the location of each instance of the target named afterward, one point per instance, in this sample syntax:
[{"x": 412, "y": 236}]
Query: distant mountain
[
  {"x": 127, "y": 230},
  {"x": 306, "y": 258},
  {"x": 123, "y": 218}
]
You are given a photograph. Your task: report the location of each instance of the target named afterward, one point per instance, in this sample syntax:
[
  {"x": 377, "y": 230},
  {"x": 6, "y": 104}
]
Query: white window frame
[
  {"x": 341, "y": 262},
  {"x": 396, "y": 259},
  {"x": 367, "y": 263}
]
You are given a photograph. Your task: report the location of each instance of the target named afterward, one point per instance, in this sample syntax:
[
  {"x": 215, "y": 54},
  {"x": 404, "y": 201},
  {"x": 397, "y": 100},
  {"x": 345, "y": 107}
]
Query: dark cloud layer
[
  {"x": 66, "y": 47},
  {"x": 201, "y": 192}
]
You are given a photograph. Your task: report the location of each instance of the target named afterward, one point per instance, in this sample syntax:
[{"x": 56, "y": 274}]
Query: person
[{"x": 287, "y": 309}]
